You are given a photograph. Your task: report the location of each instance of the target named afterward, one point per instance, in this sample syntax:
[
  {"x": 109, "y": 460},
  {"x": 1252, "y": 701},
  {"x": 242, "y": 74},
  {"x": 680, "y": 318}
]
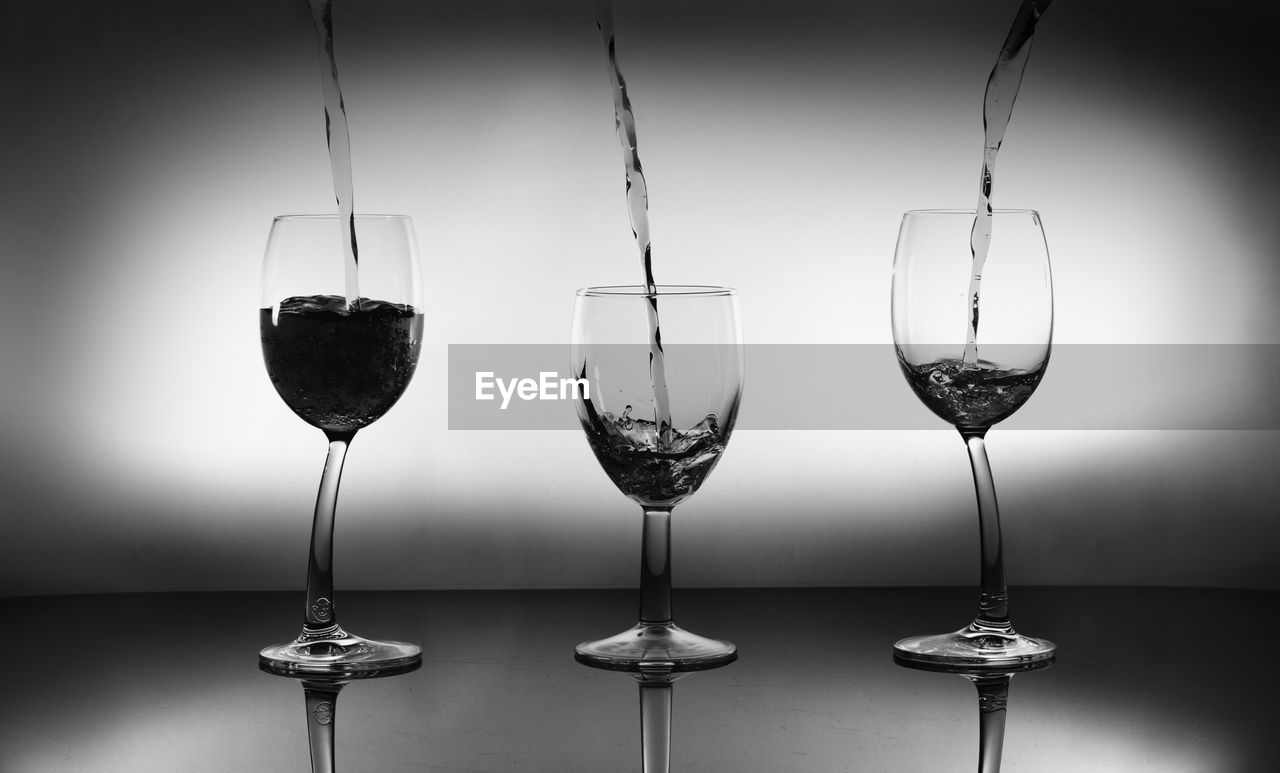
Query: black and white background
[{"x": 147, "y": 145}]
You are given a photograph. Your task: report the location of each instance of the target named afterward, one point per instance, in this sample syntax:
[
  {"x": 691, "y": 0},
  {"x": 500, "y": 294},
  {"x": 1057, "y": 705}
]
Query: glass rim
[
  {"x": 972, "y": 212},
  {"x": 335, "y": 216},
  {"x": 662, "y": 291}
]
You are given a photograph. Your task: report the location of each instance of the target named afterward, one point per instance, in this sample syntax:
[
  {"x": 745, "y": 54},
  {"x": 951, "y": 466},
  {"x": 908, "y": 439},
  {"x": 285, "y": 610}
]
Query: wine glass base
[
  {"x": 339, "y": 654},
  {"x": 975, "y": 649},
  {"x": 651, "y": 644}
]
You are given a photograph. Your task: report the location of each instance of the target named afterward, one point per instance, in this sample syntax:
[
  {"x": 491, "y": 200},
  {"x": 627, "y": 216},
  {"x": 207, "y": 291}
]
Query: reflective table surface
[{"x": 1162, "y": 680}]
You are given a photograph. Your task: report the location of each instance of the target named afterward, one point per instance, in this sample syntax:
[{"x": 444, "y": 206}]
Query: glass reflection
[
  {"x": 656, "y": 680},
  {"x": 993, "y": 701},
  {"x": 320, "y": 697}
]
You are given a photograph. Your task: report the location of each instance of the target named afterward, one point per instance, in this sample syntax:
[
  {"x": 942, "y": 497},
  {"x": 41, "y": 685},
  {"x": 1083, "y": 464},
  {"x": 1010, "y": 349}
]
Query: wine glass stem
[
  {"x": 993, "y": 603},
  {"x": 993, "y": 698},
  {"x": 320, "y": 616},
  {"x": 321, "y": 702},
  {"x": 655, "y": 566},
  {"x": 655, "y": 727}
]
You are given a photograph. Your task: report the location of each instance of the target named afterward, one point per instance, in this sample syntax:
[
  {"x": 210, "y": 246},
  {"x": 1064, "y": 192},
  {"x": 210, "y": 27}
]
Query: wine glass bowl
[
  {"x": 340, "y": 344},
  {"x": 658, "y": 411},
  {"x": 932, "y": 310},
  {"x": 973, "y": 343}
]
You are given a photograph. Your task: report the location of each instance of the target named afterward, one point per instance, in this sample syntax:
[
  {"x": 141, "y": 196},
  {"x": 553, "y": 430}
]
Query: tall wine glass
[
  {"x": 932, "y": 305},
  {"x": 698, "y": 363},
  {"x": 340, "y": 365}
]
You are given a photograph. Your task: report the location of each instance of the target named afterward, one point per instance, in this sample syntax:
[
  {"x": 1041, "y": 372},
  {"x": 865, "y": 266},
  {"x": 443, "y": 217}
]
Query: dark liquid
[
  {"x": 340, "y": 368},
  {"x": 997, "y": 108},
  {"x": 338, "y": 139},
  {"x": 971, "y": 396},
  {"x": 650, "y": 470},
  {"x": 638, "y": 210}
]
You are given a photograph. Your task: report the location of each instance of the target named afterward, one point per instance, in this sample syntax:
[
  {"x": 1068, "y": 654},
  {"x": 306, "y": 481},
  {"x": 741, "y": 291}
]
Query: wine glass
[
  {"x": 658, "y": 410},
  {"x": 974, "y": 381},
  {"x": 339, "y": 355}
]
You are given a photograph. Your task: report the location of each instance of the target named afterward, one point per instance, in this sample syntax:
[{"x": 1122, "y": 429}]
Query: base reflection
[
  {"x": 993, "y": 701},
  {"x": 656, "y": 680},
  {"x": 320, "y": 696}
]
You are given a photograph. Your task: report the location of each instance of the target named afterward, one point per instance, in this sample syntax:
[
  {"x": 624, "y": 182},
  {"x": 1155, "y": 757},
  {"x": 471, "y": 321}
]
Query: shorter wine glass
[
  {"x": 339, "y": 357},
  {"x": 974, "y": 375},
  {"x": 658, "y": 412}
]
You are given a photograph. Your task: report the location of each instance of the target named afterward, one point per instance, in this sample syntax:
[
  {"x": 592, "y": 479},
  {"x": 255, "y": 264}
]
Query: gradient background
[{"x": 147, "y": 145}]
